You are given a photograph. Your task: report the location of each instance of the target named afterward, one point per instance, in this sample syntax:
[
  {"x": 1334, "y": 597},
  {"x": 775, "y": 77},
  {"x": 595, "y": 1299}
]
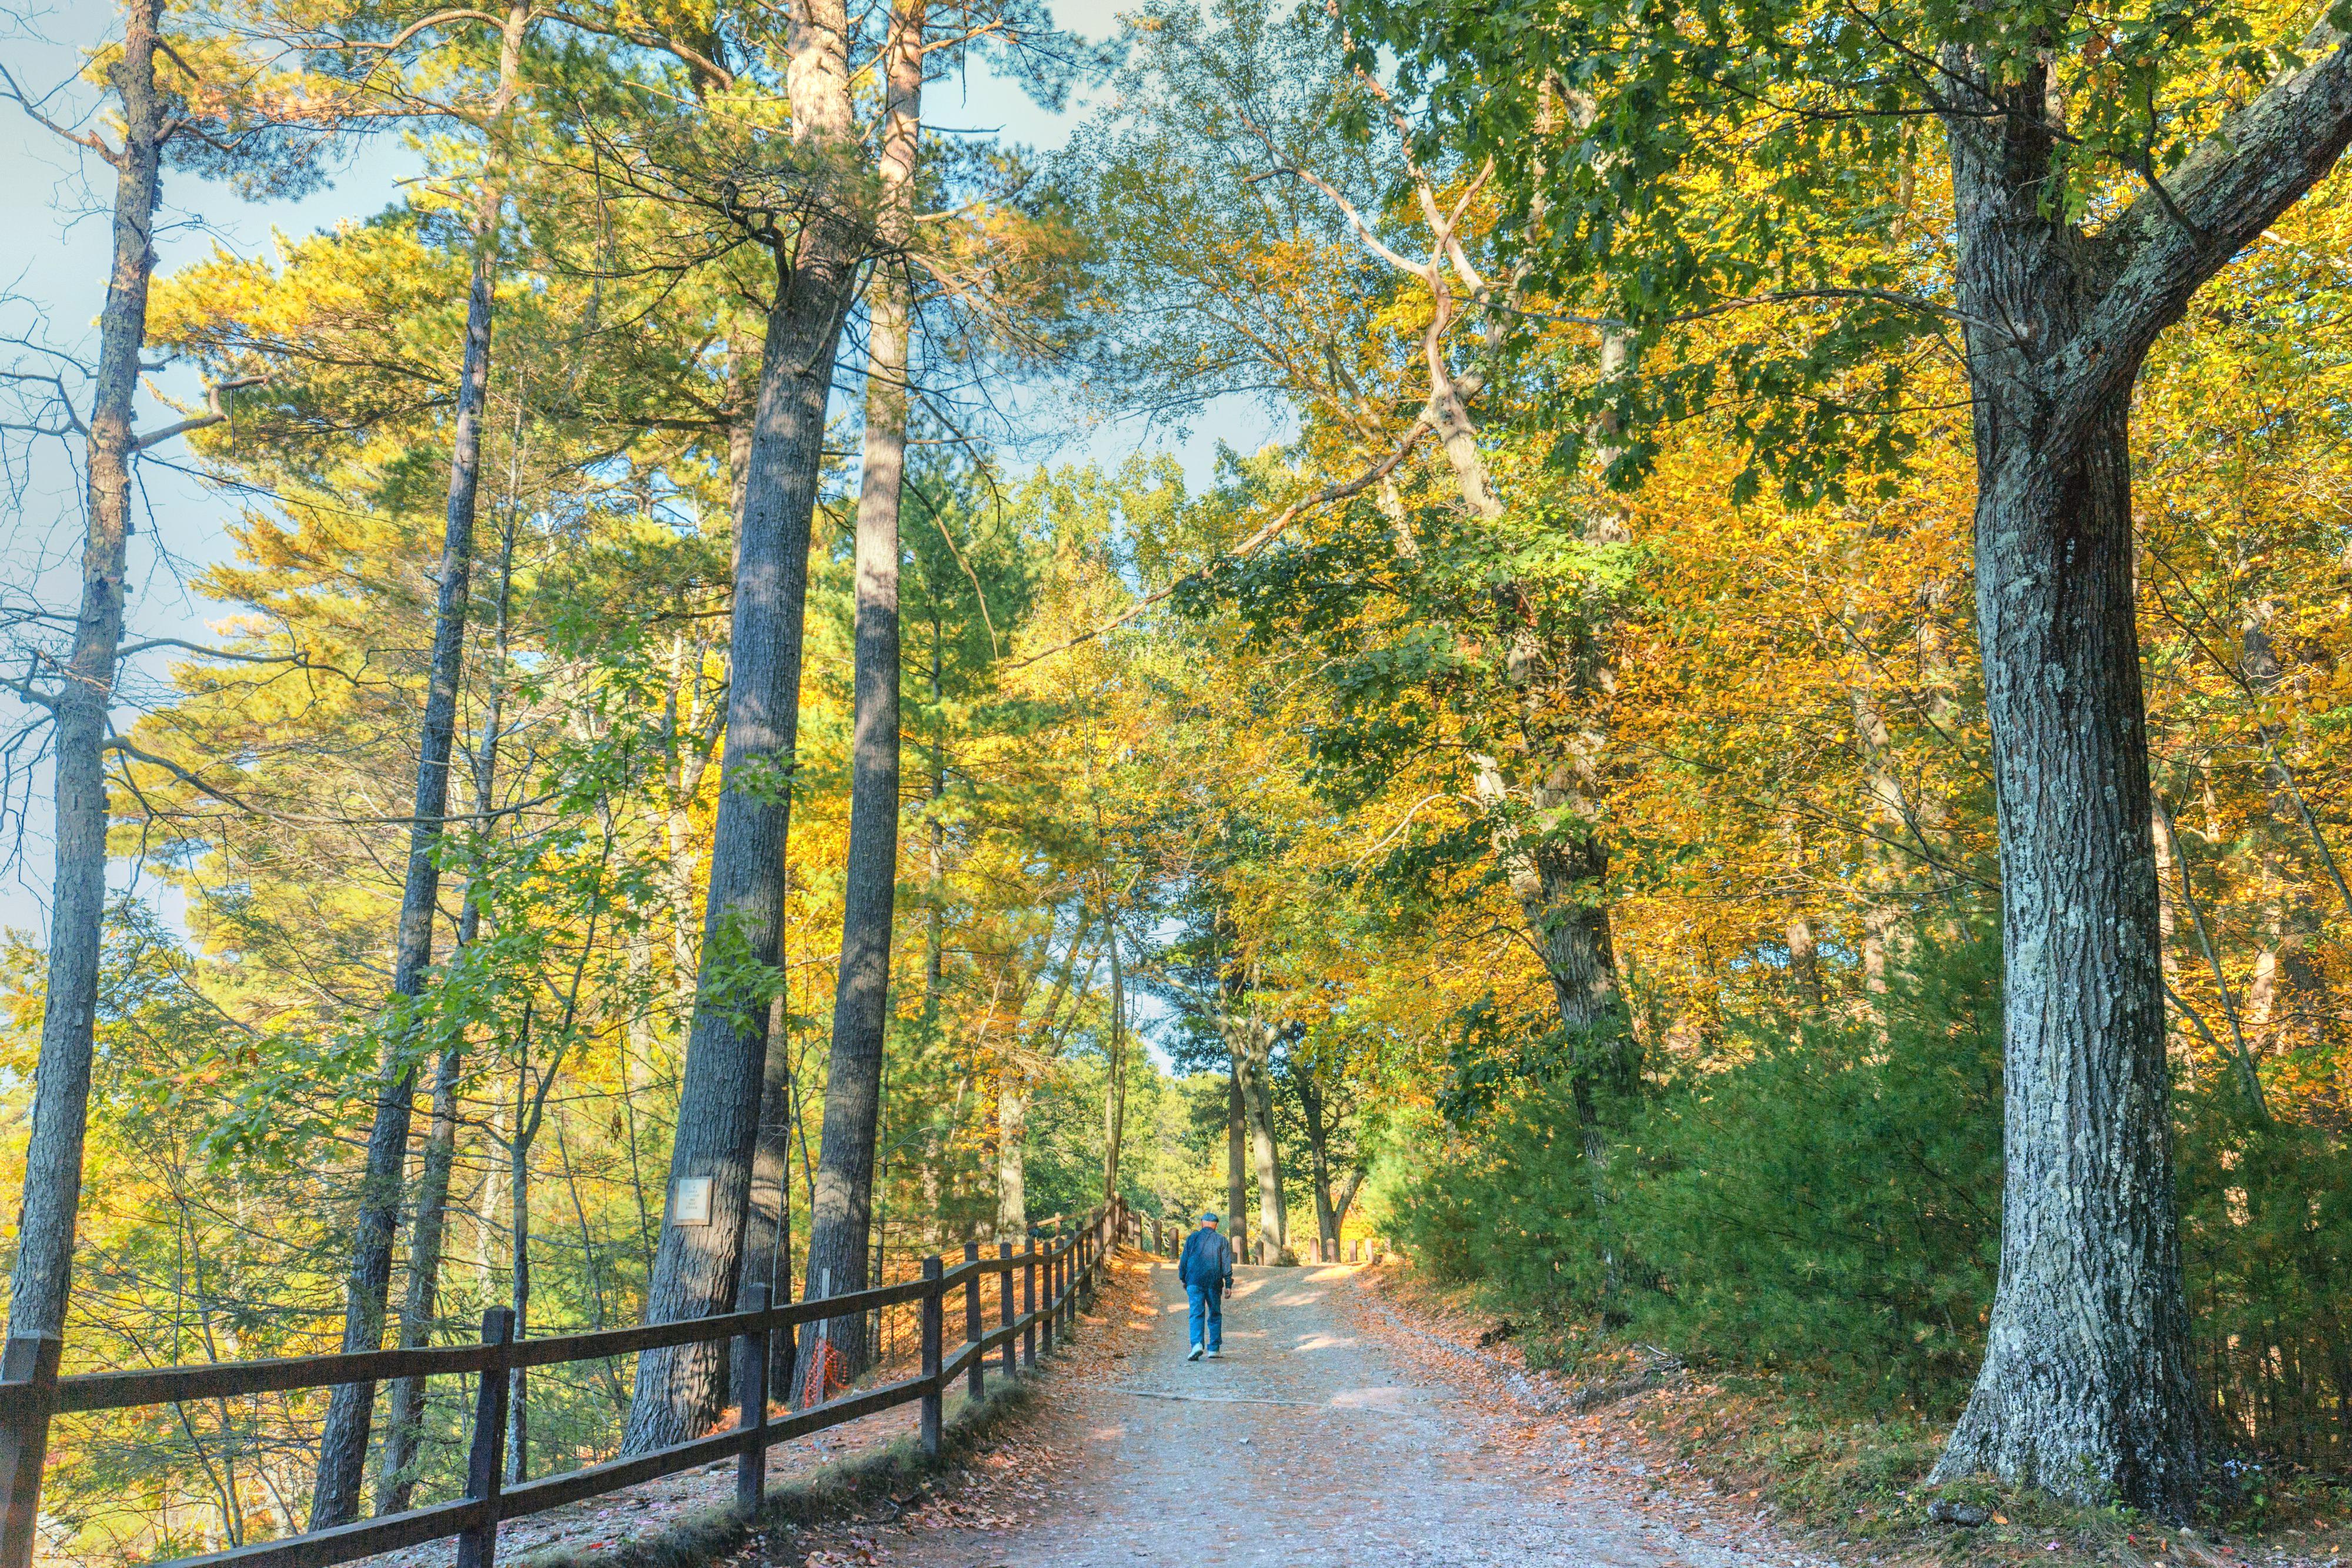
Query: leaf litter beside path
[
  {"x": 1010, "y": 1480},
  {"x": 1740, "y": 1469}
]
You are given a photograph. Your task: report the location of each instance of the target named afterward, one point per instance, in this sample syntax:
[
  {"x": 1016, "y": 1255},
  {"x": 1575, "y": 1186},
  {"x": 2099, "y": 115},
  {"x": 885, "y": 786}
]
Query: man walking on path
[{"x": 1205, "y": 1270}]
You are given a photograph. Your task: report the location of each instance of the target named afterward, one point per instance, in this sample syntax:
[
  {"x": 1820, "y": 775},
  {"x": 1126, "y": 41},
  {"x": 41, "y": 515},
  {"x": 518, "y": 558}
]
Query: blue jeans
[{"x": 1209, "y": 1313}]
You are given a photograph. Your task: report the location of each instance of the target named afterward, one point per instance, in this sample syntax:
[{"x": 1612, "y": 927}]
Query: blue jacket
[{"x": 1206, "y": 1263}]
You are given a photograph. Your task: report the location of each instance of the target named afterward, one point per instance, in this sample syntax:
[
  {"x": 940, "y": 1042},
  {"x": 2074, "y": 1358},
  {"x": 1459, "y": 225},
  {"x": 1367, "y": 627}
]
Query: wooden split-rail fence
[{"x": 1050, "y": 1281}]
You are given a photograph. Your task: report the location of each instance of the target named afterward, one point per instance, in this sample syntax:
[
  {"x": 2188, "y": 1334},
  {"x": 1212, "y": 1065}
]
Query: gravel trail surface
[{"x": 1311, "y": 1443}]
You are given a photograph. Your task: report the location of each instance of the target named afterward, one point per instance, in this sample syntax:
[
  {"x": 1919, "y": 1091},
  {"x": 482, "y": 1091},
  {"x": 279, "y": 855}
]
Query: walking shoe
[
  {"x": 1196, "y": 1354},
  {"x": 1215, "y": 1353}
]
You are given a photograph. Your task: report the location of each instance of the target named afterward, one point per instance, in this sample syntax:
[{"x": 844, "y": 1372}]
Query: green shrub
[
  {"x": 1824, "y": 1199},
  {"x": 1820, "y": 1198}
]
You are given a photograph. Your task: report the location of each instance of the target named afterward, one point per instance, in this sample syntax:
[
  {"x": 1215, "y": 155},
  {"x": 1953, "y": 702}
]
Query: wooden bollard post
[
  {"x": 486, "y": 1469},
  {"x": 751, "y": 1405},
  {"x": 1029, "y": 1303},
  {"x": 974, "y": 1377},
  {"x": 932, "y": 1384},
  {"x": 1005, "y": 1307}
]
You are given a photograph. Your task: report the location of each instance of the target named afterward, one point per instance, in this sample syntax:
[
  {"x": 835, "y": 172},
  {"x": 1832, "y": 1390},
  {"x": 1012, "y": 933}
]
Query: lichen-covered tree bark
[{"x": 2086, "y": 1386}]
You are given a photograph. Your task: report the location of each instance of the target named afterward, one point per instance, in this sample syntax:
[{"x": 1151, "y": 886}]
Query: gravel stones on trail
[{"x": 1317, "y": 1439}]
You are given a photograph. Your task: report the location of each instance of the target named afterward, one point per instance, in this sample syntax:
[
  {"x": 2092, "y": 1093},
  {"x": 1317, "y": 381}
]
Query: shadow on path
[{"x": 1306, "y": 1443}]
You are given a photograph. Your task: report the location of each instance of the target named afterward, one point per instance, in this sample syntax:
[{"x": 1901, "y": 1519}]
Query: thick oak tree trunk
[{"x": 2085, "y": 1388}]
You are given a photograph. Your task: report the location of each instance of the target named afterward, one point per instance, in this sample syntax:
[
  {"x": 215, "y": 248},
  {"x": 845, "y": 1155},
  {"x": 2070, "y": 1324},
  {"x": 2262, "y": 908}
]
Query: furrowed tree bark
[
  {"x": 2086, "y": 1387},
  {"x": 41, "y": 1279},
  {"x": 768, "y": 1232},
  {"x": 841, "y": 1219},
  {"x": 343, "y": 1441},
  {"x": 696, "y": 1267}
]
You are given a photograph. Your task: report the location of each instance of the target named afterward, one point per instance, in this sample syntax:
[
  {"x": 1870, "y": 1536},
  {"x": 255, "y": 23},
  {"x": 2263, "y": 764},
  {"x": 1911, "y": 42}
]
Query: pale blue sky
[{"x": 54, "y": 204}]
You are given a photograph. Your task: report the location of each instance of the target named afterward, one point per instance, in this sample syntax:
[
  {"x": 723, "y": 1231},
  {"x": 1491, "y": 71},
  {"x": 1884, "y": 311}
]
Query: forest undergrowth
[{"x": 1806, "y": 1228}]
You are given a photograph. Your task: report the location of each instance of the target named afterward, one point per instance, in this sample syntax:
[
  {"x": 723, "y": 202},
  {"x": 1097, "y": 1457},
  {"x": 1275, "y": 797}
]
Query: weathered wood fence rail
[{"x": 1050, "y": 1282}]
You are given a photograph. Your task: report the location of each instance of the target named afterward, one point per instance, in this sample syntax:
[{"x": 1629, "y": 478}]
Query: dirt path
[{"x": 1311, "y": 1443}]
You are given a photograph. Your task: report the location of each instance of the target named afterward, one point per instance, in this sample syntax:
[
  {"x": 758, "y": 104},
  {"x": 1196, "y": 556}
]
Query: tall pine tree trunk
[
  {"x": 841, "y": 1219},
  {"x": 41, "y": 1279},
  {"x": 768, "y": 1234},
  {"x": 428, "y": 1226},
  {"x": 696, "y": 1267},
  {"x": 1115, "y": 1080},
  {"x": 343, "y": 1442}
]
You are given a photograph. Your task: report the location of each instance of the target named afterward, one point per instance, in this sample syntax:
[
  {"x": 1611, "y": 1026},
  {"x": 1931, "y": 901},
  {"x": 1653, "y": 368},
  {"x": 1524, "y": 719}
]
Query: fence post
[
  {"x": 30, "y": 1359},
  {"x": 486, "y": 1463},
  {"x": 1029, "y": 1303},
  {"x": 1053, "y": 1302},
  {"x": 931, "y": 1388},
  {"x": 1005, "y": 1307},
  {"x": 974, "y": 1378},
  {"x": 752, "y": 1401}
]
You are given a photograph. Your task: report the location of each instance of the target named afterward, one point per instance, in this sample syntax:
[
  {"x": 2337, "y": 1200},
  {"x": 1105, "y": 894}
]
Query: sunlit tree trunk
[
  {"x": 343, "y": 1441},
  {"x": 696, "y": 1267},
  {"x": 40, "y": 1280},
  {"x": 1252, "y": 1042},
  {"x": 1115, "y": 1078},
  {"x": 1012, "y": 1140},
  {"x": 841, "y": 1219},
  {"x": 2086, "y": 1386},
  {"x": 428, "y": 1226}
]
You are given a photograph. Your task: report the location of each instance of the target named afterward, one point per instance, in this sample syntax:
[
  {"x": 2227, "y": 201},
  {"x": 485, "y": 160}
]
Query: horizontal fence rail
[{"x": 1010, "y": 1304}]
